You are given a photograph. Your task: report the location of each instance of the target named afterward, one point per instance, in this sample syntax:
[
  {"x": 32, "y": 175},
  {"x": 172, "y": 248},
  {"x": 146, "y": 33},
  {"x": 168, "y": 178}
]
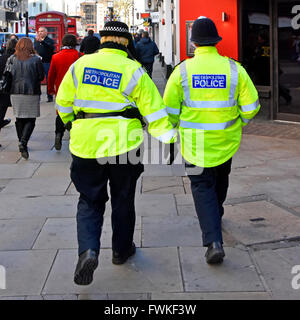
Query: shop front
[{"x": 264, "y": 35}]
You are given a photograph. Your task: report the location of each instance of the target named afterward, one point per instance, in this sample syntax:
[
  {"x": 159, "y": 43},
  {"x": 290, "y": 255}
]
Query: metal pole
[{"x": 26, "y": 23}]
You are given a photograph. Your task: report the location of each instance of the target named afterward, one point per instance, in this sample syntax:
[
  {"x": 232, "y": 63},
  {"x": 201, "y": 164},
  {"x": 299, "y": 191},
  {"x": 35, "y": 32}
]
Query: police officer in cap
[
  {"x": 210, "y": 98},
  {"x": 105, "y": 96}
]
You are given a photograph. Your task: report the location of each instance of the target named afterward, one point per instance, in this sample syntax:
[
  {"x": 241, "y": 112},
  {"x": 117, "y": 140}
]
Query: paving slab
[
  {"x": 93, "y": 297},
  {"x": 155, "y": 205},
  {"x": 60, "y": 297},
  {"x": 276, "y": 267},
  {"x": 22, "y": 275},
  {"x": 188, "y": 210},
  {"x": 211, "y": 296},
  {"x": 61, "y": 233},
  {"x": 128, "y": 296},
  {"x": 15, "y": 207},
  {"x": 19, "y": 234},
  {"x": 171, "y": 232},
  {"x": 184, "y": 199},
  {"x": 149, "y": 270},
  {"x": 162, "y": 185},
  {"x": 52, "y": 186},
  {"x": 9, "y": 157},
  {"x": 59, "y": 169},
  {"x": 49, "y": 156},
  {"x": 236, "y": 273},
  {"x": 284, "y": 191},
  {"x": 13, "y": 298},
  {"x": 159, "y": 170},
  {"x": 261, "y": 221},
  {"x": 17, "y": 171}
]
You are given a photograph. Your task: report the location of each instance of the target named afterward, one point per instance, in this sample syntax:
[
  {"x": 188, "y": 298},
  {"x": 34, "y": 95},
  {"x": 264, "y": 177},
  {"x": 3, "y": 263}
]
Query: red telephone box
[
  {"x": 56, "y": 24},
  {"x": 72, "y": 26}
]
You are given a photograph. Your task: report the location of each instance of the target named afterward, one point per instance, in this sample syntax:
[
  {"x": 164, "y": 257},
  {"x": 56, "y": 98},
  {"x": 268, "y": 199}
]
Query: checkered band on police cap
[{"x": 115, "y": 28}]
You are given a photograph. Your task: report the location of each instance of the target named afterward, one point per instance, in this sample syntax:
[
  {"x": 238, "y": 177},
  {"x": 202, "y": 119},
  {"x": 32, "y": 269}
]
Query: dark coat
[
  {"x": 4, "y": 98},
  {"x": 45, "y": 49},
  {"x": 89, "y": 44},
  {"x": 26, "y": 75},
  {"x": 146, "y": 50}
]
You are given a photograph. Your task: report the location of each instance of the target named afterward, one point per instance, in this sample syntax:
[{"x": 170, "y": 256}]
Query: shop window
[{"x": 256, "y": 40}]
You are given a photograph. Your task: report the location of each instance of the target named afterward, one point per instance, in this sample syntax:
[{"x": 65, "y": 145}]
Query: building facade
[
  {"x": 12, "y": 15},
  {"x": 88, "y": 10},
  {"x": 264, "y": 35}
]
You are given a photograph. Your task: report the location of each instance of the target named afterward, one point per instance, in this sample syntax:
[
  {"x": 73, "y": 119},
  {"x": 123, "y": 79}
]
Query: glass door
[{"x": 288, "y": 67}]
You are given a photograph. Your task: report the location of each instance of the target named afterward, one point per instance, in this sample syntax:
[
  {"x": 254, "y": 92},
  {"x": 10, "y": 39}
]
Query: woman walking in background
[
  {"x": 60, "y": 64},
  {"x": 27, "y": 73},
  {"x": 5, "y": 97}
]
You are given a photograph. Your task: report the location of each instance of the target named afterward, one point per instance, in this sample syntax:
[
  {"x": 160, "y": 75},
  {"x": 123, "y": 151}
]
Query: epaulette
[
  {"x": 179, "y": 63},
  {"x": 235, "y": 60}
]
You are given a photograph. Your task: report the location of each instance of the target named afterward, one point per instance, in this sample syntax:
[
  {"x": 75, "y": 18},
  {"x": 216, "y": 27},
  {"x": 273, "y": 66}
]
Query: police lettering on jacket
[
  {"x": 102, "y": 78},
  {"x": 209, "y": 81}
]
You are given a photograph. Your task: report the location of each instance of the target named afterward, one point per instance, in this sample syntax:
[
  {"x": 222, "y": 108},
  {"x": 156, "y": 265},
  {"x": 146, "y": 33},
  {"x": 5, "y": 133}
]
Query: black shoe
[
  {"x": 58, "y": 139},
  {"x": 120, "y": 258},
  {"x": 215, "y": 253},
  {"x": 50, "y": 99},
  {"x": 87, "y": 264},
  {"x": 5, "y": 122},
  {"x": 24, "y": 151}
]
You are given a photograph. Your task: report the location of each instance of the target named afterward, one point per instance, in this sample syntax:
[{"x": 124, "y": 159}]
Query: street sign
[{"x": 154, "y": 17}]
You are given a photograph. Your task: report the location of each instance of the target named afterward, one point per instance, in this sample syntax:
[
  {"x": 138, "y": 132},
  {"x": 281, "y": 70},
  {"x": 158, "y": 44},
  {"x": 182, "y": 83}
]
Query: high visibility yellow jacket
[
  {"x": 210, "y": 98},
  {"x": 106, "y": 82}
]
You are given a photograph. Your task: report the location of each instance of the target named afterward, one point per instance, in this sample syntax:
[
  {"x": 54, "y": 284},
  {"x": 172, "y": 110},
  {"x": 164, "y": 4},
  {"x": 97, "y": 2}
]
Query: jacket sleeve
[
  {"x": 152, "y": 108},
  {"x": 173, "y": 96},
  {"x": 248, "y": 100},
  {"x": 155, "y": 49},
  {"x": 40, "y": 70},
  {"x": 65, "y": 97},
  {"x": 49, "y": 44},
  {"x": 51, "y": 76}
]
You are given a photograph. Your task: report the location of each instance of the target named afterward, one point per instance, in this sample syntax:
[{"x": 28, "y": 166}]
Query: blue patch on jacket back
[
  {"x": 209, "y": 81},
  {"x": 102, "y": 78}
]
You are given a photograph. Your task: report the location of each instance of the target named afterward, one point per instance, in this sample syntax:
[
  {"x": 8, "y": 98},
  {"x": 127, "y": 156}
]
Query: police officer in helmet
[
  {"x": 104, "y": 97},
  {"x": 210, "y": 98}
]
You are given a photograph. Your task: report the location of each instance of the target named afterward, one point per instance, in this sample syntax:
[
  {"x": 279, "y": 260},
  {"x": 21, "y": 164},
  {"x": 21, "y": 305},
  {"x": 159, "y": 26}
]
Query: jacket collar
[
  {"x": 206, "y": 50},
  {"x": 116, "y": 51}
]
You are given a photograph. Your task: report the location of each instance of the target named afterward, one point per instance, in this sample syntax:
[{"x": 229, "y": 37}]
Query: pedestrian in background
[
  {"x": 27, "y": 73},
  {"x": 210, "y": 98},
  {"x": 5, "y": 97},
  {"x": 59, "y": 66},
  {"x": 146, "y": 50},
  {"x": 45, "y": 48},
  {"x": 90, "y": 44}
]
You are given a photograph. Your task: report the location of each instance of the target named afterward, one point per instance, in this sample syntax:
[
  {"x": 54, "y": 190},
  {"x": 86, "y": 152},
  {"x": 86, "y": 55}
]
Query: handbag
[{"x": 6, "y": 80}]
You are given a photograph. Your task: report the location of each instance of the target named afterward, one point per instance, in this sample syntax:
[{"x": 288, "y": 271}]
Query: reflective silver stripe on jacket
[
  {"x": 64, "y": 109},
  {"x": 157, "y": 115},
  {"x": 207, "y": 126},
  {"x": 250, "y": 107},
  {"x": 114, "y": 106},
  {"x": 133, "y": 81},
  {"x": 75, "y": 80},
  {"x": 100, "y": 104},
  {"x": 231, "y": 102},
  {"x": 173, "y": 111},
  {"x": 245, "y": 120}
]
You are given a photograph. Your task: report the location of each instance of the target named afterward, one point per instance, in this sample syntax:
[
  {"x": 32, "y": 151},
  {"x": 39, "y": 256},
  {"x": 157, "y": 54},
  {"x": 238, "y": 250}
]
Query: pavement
[{"x": 38, "y": 245}]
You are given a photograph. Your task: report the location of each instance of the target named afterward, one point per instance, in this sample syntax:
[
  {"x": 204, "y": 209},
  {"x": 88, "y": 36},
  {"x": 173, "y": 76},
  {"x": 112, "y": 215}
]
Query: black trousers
[
  {"x": 59, "y": 125},
  {"x": 149, "y": 68},
  {"x": 24, "y": 127},
  {"x": 90, "y": 179},
  {"x": 209, "y": 191}
]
